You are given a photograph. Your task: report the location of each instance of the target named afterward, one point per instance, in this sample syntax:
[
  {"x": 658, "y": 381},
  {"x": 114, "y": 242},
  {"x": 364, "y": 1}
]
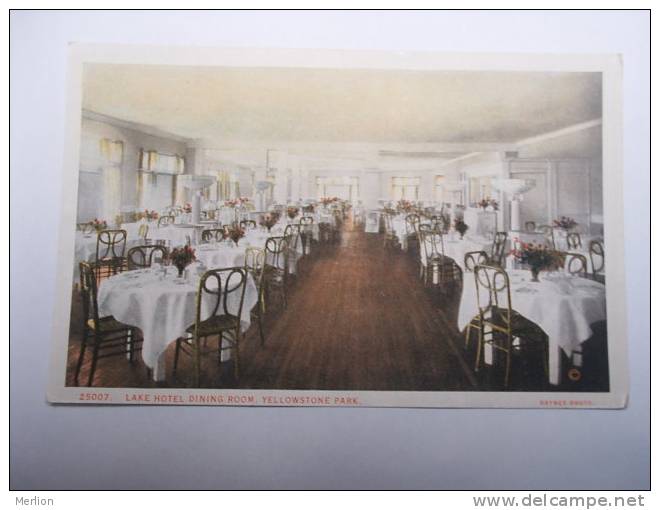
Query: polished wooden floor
[{"x": 358, "y": 318}]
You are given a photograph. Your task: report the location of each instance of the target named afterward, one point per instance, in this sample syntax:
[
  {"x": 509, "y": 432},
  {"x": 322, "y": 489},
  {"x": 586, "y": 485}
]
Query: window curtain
[{"x": 112, "y": 152}]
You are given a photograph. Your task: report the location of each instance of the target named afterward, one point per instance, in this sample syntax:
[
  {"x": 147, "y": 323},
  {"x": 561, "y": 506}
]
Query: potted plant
[
  {"x": 268, "y": 220},
  {"x": 98, "y": 225},
  {"x": 565, "y": 223},
  {"x": 487, "y": 202},
  {"x": 538, "y": 257},
  {"x": 460, "y": 226},
  {"x": 235, "y": 233},
  {"x": 181, "y": 257}
]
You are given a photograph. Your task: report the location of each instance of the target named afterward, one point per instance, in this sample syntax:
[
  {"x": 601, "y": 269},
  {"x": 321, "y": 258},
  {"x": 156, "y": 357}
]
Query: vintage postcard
[{"x": 341, "y": 228}]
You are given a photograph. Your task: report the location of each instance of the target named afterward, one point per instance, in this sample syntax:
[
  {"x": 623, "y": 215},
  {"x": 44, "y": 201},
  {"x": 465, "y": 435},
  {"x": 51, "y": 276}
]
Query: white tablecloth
[
  {"x": 174, "y": 235},
  {"x": 399, "y": 227},
  {"x": 456, "y": 248},
  {"x": 161, "y": 307},
  {"x": 85, "y": 250},
  {"x": 563, "y": 306}
]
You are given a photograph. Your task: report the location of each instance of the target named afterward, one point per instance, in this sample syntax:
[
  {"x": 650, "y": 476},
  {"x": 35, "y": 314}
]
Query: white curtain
[{"x": 111, "y": 193}]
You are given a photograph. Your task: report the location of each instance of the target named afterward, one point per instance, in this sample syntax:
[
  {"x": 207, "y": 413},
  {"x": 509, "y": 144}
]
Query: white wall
[{"x": 92, "y": 163}]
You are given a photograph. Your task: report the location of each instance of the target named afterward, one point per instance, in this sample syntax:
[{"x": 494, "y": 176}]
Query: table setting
[
  {"x": 162, "y": 305},
  {"x": 563, "y": 305}
]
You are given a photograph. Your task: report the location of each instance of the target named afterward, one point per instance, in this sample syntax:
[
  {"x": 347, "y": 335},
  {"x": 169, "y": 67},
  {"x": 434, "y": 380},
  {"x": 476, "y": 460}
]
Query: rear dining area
[{"x": 339, "y": 230}]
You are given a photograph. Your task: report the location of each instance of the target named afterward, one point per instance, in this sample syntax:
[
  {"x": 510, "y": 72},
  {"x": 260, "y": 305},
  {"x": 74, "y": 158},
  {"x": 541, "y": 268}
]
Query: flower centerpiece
[
  {"x": 235, "y": 232},
  {"x": 187, "y": 208},
  {"x": 460, "y": 226},
  {"x": 148, "y": 215},
  {"x": 268, "y": 220},
  {"x": 292, "y": 212},
  {"x": 243, "y": 200},
  {"x": 98, "y": 225},
  {"x": 487, "y": 202},
  {"x": 538, "y": 257},
  {"x": 405, "y": 206},
  {"x": 234, "y": 202},
  {"x": 309, "y": 208},
  {"x": 565, "y": 223},
  {"x": 329, "y": 200},
  {"x": 182, "y": 257}
]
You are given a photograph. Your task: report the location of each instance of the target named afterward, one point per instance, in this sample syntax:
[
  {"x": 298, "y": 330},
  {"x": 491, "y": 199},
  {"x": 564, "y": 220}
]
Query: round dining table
[
  {"x": 563, "y": 305},
  {"x": 162, "y": 306}
]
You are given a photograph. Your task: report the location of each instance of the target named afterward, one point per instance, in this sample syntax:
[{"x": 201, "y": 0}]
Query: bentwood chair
[
  {"x": 597, "y": 258},
  {"x": 412, "y": 224},
  {"x": 143, "y": 232},
  {"x": 292, "y": 232},
  {"x": 573, "y": 241},
  {"x": 141, "y": 257},
  {"x": 335, "y": 229},
  {"x": 277, "y": 266},
  {"x": 105, "y": 336},
  {"x": 549, "y": 235},
  {"x": 437, "y": 268},
  {"x": 85, "y": 228},
  {"x": 248, "y": 224},
  {"x": 305, "y": 226},
  {"x": 218, "y": 309},
  {"x": 169, "y": 219},
  {"x": 213, "y": 234},
  {"x": 530, "y": 226},
  {"x": 390, "y": 238},
  {"x": 494, "y": 258},
  {"x": 255, "y": 263},
  {"x": 575, "y": 264},
  {"x": 110, "y": 248},
  {"x": 500, "y": 325}
]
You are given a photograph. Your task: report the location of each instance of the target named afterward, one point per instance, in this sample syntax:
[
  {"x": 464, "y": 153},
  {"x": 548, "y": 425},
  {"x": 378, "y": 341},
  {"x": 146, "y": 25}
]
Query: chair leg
[
  {"x": 95, "y": 354},
  {"x": 237, "y": 363},
  {"x": 196, "y": 363},
  {"x": 81, "y": 356},
  {"x": 130, "y": 338},
  {"x": 261, "y": 328},
  {"x": 480, "y": 340},
  {"x": 176, "y": 356}
]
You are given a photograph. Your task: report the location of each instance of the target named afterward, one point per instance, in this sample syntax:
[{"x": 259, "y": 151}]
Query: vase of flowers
[
  {"x": 405, "y": 206},
  {"x": 268, "y": 220},
  {"x": 181, "y": 257},
  {"x": 292, "y": 212},
  {"x": 488, "y": 204},
  {"x": 460, "y": 226},
  {"x": 537, "y": 257},
  {"x": 98, "y": 225},
  {"x": 235, "y": 233},
  {"x": 187, "y": 208},
  {"x": 565, "y": 223}
]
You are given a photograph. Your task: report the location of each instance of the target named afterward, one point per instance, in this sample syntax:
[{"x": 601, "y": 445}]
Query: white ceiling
[{"x": 225, "y": 106}]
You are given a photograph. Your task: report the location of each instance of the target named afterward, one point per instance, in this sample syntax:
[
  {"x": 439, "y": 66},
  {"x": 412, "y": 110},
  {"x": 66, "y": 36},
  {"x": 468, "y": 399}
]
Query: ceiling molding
[
  {"x": 134, "y": 126},
  {"x": 560, "y": 132}
]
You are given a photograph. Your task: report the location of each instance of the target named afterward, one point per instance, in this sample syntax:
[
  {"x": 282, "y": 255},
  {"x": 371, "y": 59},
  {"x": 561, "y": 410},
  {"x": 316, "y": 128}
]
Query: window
[
  {"x": 438, "y": 189},
  {"x": 152, "y": 161},
  {"x": 480, "y": 187},
  {"x": 346, "y": 188},
  {"x": 406, "y": 188},
  {"x": 157, "y": 179},
  {"x": 112, "y": 152}
]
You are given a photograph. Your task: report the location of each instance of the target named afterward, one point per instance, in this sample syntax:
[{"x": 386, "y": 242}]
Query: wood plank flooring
[{"x": 358, "y": 318}]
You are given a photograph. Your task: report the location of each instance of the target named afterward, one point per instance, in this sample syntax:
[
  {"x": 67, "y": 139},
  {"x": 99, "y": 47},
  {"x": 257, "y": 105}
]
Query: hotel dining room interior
[{"x": 339, "y": 229}]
